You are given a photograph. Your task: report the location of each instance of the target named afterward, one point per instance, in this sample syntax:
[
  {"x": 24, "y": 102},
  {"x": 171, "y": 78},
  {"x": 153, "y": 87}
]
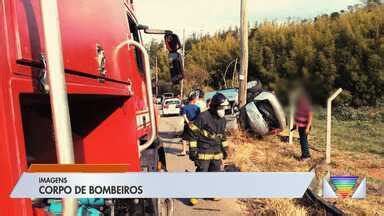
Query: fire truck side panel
[
  {"x": 85, "y": 26},
  {"x": 102, "y": 111},
  {"x": 142, "y": 112},
  {"x": 11, "y": 166}
]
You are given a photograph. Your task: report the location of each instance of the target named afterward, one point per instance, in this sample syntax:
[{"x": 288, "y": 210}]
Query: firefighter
[{"x": 208, "y": 145}]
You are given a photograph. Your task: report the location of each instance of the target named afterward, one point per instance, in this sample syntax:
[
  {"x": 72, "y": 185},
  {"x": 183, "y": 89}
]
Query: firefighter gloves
[{"x": 192, "y": 155}]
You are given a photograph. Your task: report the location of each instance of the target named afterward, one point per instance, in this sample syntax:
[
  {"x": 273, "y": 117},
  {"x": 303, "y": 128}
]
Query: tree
[{"x": 338, "y": 50}]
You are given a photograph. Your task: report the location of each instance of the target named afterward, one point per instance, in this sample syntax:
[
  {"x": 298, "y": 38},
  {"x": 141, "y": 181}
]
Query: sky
[{"x": 209, "y": 16}]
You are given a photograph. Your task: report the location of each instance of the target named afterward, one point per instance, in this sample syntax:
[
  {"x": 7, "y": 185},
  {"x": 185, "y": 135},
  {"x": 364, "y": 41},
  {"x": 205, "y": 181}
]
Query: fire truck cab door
[{"x": 90, "y": 32}]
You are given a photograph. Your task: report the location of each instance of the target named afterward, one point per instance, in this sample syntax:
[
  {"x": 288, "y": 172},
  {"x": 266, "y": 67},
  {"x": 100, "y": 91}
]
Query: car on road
[
  {"x": 230, "y": 93},
  {"x": 168, "y": 95},
  {"x": 171, "y": 106}
]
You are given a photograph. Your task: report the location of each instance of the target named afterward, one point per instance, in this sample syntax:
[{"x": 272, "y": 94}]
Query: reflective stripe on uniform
[
  {"x": 194, "y": 128},
  {"x": 199, "y": 131},
  {"x": 193, "y": 144},
  {"x": 224, "y": 143},
  {"x": 218, "y": 156},
  {"x": 204, "y": 133}
]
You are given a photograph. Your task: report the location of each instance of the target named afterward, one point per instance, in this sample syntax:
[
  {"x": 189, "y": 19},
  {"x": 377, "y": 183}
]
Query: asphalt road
[{"x": 170, "y": 127}]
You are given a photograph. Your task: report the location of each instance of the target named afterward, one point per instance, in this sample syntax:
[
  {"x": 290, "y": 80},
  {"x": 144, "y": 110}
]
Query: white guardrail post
[
  {"x": 291, "y": 117},
  {"x": 58, "y": 92},
  {"x": 329, "y": 115}
]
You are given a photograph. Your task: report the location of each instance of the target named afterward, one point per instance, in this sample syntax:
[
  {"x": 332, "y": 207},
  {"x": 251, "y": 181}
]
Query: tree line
[{"x": 343, "y": 49}]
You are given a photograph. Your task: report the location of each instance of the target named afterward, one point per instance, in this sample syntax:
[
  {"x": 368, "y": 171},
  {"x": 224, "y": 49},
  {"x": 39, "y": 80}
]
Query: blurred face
[
  {"x": 221, "y": 112},
  {"x": 303, "y": 99}
]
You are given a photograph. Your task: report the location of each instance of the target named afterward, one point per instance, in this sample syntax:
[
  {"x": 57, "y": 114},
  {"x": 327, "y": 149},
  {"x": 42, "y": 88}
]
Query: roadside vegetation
[
  {"x": 342, "y": 49},
  {"x": 356, "y": 130},
  {"x": 356, "y": 150}
]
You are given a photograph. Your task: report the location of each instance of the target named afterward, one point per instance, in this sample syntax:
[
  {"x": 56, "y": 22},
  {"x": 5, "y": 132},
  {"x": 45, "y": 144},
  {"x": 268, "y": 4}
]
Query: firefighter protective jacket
[{"x": 208, "y": 136}]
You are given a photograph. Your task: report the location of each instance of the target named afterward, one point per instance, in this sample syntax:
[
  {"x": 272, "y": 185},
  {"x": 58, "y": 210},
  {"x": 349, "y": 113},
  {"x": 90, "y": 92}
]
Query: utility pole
[
  {"x": 243, "y": 75},
  {"x": 156, "y": 78},
  {"x": 182, "y": 81}
]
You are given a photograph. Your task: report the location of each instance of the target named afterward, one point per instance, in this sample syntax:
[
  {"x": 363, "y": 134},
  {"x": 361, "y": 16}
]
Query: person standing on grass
[
  {"x": 303, "y": 123},
  {"x": 189, "y": 113}
]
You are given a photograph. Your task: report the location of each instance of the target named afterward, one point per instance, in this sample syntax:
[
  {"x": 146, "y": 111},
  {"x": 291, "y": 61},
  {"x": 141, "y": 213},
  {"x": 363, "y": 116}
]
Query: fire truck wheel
[{"x": 164, "y": 207}]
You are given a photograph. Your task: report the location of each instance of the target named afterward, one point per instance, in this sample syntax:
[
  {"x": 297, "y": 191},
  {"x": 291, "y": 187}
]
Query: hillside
[{"x": 343, "y": 49}]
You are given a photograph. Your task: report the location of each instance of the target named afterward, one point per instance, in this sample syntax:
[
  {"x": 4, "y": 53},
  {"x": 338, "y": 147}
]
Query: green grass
[{"x": 363, "y": 136}]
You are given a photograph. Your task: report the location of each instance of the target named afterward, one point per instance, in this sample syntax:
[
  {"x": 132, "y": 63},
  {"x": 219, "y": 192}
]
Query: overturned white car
[{"x": 264, "y": 113}]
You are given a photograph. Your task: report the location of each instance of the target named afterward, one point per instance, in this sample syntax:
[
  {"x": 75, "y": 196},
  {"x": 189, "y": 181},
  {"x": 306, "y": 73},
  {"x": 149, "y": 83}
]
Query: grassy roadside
[
  {"x": 358, "y": 149},
  {"x": 362, "y": 132}
]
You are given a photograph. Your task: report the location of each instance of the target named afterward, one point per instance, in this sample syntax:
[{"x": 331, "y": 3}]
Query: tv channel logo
[{"x": 344, "y": 187}]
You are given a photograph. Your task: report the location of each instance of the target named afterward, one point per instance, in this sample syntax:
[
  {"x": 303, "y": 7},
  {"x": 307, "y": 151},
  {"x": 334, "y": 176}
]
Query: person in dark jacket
[
  {"x": 208, "y": 145},
  {"x": 189, "y": 113}
]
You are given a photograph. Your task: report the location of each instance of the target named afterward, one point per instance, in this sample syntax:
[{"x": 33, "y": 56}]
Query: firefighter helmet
[
  {"x": 193, "y": 95},
  {"x": 219, "y": 104},
  {"x": 218, "y": 100},
  {"x": 197, "y": 93},
  {"x": 200, "y": 93}
]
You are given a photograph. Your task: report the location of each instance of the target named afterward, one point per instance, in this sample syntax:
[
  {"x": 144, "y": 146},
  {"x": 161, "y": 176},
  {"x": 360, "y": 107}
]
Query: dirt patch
[
  {"x": 377, "y": 173},
  {"x": 270, "y": 154},
  {"x": 274, "y": 207}
]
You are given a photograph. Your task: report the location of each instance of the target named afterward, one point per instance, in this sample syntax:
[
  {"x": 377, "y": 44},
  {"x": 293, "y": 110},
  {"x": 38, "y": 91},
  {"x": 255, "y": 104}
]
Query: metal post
[
  {"x": 233, "y": 75},
  {"x": 181, "y": 89},
  {"x": 226, "y": 69},
  {"x": 182, "y": 81},
  {"x": 183, "y": 45},
  {"x": 329, "y": 114},
  {"x": 156, "y": 78},
  {"x": 58, "y": 91},
  {"x": 243, "y": 76}
]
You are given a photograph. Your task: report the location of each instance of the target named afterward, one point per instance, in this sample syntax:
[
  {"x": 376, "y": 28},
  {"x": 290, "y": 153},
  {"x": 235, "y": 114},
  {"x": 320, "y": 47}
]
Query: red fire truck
[{"x": 107, "y": 94}]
